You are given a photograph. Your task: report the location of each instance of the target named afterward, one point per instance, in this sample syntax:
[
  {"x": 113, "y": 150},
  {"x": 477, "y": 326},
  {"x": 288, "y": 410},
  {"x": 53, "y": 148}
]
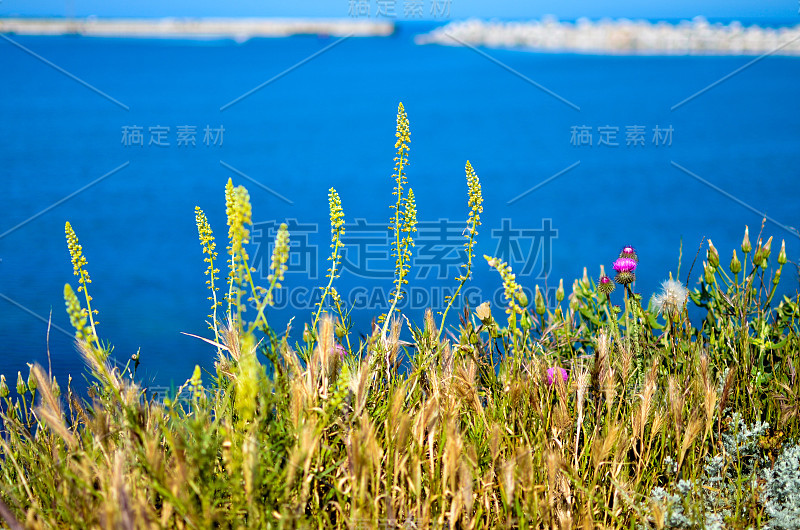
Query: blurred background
[{"x": 578, "y": 154}]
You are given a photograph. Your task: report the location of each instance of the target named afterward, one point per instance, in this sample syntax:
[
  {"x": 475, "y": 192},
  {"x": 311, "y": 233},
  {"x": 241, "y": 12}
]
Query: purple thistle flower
[
  {"x": 625, "y": 265},
  {"x": 340, "y": 350},
  {"x": 554, "y": 372}
]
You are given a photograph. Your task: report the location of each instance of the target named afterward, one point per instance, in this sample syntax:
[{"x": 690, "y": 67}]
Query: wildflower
[
  {"x": 746, "y": 246},
  {"x": 280, "y": 256},
  {"x": 554, "y": 373},
  {"x": 33, "y": 384},
  {"x": 514, "y": 294},
  {"x": 21, "y": 388},
  {"x": 713, "y": 255},
  {"x": 625, "y": 265},
  {"x": 629, "y": 252},
  {"x": 341, "y": 351},
  {"x": 782, "y": 253},
  {"x": 672, "y": 298},
  {"x": 210, "y": 254},
  {"x": 763, "y": 253},
  {"x": 560, "y": 291},
  {"x": 736, "y": 265},
  {"x": 484, "y": 312},
  {"x": 404, "y": 219},
  {"x": 625, "y": 268},
  {"x": 605, "y": 285},
  {"x": 78, "y": 316},
  {"x": 77, "y": 257},
  {"x": 708, "y": 273},
  {"x": 539, "y": 302},
  {"x": 475, "y": 203}
]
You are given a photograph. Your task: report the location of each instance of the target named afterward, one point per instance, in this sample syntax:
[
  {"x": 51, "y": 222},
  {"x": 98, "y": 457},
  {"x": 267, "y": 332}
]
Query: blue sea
[{"x": 116, "y": 160}]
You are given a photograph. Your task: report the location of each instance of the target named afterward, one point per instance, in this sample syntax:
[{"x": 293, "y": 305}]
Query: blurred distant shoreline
[
  {"x": 548, "y": 34},
  {"x": 200, "y": 28},
  {"x": 620, "y": 37}
]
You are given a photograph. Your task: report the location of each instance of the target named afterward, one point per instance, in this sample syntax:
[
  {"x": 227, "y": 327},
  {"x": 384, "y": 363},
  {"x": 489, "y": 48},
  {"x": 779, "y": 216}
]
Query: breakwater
[{"x": 695, "y": 37}]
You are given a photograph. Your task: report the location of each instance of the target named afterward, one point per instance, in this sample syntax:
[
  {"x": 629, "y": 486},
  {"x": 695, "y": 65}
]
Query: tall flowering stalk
[
  {"x": 337, "y": 232},
  {"x": 79, "y": 316},
  {"x": 278, "y": 266},
  {"x": 239, "y": 216},
  {"x": 515, "y": 298},
  {"x": 240, "y": 277},
  {"x": 475, "y": 203},
  {"x": 206, "y": 236},
  {"x": 404, "y": 220},
  {"x": 625, "y": 267}
]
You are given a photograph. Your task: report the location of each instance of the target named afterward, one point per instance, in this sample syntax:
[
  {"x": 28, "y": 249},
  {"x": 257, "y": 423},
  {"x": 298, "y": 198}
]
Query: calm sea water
[{"x": 330, "y": 123}]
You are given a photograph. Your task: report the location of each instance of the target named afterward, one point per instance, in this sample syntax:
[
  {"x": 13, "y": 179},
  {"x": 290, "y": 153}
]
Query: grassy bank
[{"x": 609, "y": 409}]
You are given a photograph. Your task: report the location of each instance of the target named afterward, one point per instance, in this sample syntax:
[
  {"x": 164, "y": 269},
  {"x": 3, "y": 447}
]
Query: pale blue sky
[{"x": 458, "y": 8}]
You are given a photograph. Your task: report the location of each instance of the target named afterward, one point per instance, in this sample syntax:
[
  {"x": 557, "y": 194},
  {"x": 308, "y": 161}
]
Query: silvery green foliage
[
  {"x": 742, "y": 443},
  {"x": 782, "y": 491},
  {"x": 721, "y": 382},
  {"x": 685, "y": 510},
  {"x": 710, "y": 503}
]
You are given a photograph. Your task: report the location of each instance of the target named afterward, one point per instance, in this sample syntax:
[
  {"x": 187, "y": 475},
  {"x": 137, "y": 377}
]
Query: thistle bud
[
  {"x": 21, "y": 388},
  {"x": 308, "y": 335},
  {"x": 539, "y": 301},
  {"x": 782, "y": 253},
  {"x": 713, "y": 255},
  {"x": 3, "y": 387},
  {"x": 32, "y": 383},
  {"x": 736, "y": 265},
  {"x": 605, "y": 285},
  {"x": 55, "y": 389},
  {"x": 777, "y": 277},
  {"x": 629, "y": 252},
  {"x": 560, "y": 291},
  {"x": 746, "y": 247}
]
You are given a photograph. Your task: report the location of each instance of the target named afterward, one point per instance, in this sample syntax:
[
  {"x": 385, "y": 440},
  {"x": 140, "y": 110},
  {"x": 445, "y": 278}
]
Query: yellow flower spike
[
  {"x": 403, "y": 133},
  {"x": 239, "y": 214},
  {"x": 512, "y": 290},
  {"x": 475, "y": 203},
  {"x": 76, "y": 256},
  {"x": 280, "y": 257},
  {"x": 280, "y": 254},
  {"x": 337, "y": 232},
  {"x": 77, "y": 315},
  {"x": 404, "y": 219},
  {"x": 206, "y": 236},
  {"x": 78, "y": 268}
]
